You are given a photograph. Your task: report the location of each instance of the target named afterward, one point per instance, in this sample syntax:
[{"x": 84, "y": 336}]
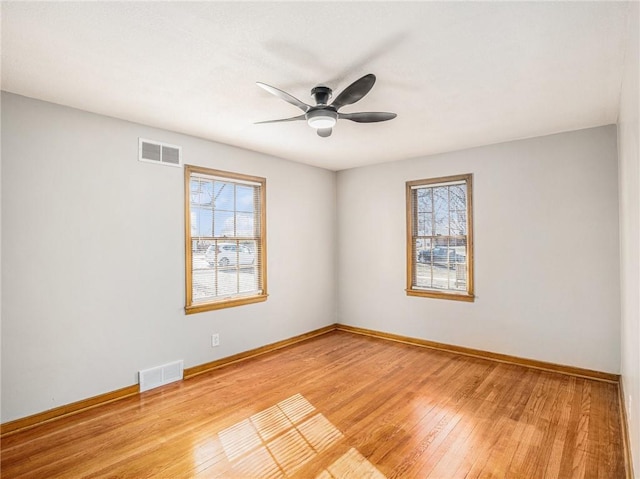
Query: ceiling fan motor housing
[{"x": 321, "y": 94}]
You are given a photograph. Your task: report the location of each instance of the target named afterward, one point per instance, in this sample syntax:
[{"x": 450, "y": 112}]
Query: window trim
[
  {"x": 190, "y": 307},
  {"x": 467, "y": 295}
]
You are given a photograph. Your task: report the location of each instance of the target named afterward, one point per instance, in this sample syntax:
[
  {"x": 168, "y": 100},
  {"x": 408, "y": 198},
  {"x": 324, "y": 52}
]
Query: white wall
[
  {"x": 629, "y": 178},
  {"x": 93, "y": 256},
  {"x": 546, "y": 250}
]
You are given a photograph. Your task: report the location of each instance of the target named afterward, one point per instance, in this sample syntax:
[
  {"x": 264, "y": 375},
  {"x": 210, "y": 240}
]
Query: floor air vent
[
  {"x": 160, "y": 375},
  {"x": 160, "y": 153}
]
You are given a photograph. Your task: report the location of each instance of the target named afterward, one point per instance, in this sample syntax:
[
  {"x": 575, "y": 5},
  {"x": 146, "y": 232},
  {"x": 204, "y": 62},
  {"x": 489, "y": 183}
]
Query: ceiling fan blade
[
  {"x": 367, "y": 117},
  {"x": 324, "y": 132},
  {"x": 301, "y": 117},
  {"x": 355, "y": 91},
  {"x": 284, "y": 96}
]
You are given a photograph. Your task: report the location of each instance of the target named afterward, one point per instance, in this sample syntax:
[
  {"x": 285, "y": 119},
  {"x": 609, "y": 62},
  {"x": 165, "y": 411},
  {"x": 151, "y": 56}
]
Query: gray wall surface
[
  {"x": 93, "y": 256},
  {"x": 546, "y": 250},
  {"x": 93, "y": 253}
]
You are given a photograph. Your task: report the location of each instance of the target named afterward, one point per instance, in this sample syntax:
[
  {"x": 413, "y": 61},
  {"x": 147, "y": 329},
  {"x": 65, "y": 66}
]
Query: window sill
[
  {"x": 441, "y": 295},
  {"x": 230, "y": 303}
]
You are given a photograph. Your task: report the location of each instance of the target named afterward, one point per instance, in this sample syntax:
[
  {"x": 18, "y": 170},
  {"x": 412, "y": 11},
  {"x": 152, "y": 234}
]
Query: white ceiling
[{"x": 457, "y": 74}]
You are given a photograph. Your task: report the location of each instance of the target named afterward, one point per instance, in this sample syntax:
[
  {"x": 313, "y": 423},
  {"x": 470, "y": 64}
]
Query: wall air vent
[
  {"x": 160, "y": 153},
  {"x": 160, "y": 375}
]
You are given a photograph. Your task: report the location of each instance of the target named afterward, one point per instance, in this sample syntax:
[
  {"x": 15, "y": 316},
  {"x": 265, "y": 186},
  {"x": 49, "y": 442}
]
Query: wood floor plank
[{"x": 340, "y": 405}]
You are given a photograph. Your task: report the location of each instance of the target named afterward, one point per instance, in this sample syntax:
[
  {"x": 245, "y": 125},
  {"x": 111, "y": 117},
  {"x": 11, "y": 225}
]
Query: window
[
  {"x": 439, "y": 238},
  {"x": 225, "y": 239}
]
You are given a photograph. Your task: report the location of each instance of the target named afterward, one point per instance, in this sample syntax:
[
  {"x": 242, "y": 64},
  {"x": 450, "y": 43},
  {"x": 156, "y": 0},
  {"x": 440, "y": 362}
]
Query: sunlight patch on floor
[
  {"x": 279, "y": 440},
  {"x": 351, "y": 465}
]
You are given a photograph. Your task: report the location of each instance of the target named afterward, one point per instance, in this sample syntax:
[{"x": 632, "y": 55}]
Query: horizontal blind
[{"x": 226, "y": 237}]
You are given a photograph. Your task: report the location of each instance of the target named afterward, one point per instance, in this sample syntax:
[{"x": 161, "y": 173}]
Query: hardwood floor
[{"x": 340, "y": 405}]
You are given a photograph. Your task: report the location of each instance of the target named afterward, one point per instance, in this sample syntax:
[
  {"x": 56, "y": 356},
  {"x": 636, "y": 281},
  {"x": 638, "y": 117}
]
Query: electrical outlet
[{"x": 215, "y": 340}]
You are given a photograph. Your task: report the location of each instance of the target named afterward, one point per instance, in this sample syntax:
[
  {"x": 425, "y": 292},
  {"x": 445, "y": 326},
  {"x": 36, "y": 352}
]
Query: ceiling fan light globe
[
  {"x": 321, "y": 122},
  {"x": 320, "y": 119}
]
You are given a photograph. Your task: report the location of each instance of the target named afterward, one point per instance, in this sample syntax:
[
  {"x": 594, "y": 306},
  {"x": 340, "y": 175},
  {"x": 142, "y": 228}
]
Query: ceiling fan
[{"x": 323, "y": 116}]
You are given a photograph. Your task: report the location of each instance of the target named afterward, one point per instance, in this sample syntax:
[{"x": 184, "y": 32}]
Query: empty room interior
[{"x": 320, "y": 239}]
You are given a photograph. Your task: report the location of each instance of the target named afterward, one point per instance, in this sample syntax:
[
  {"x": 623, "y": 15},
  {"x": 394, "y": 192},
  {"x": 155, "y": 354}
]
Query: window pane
[
  {"x": 461, "y": 277},
  {"x": 424, "y": 276},
  {"x": 227, "y": 281},
  {"x": 423, "y": 250},
  {"x": 441, "y": 207},
  {"x": 425, "y": 204},
  {"x": 223, "y": 195},
  {"x": 245, "y": 200},
  {"x": 248, "y": 279},
  {"x": 244, "y": 224},
  {"x": 458, "y": 223},
  {"x": 201, "y": 222},
  {"x": 457, "y": 198},
  {"x": 224, "y": 222},
  {"x": 440, "y": 275},
  {"x": 452, "y": 277},
  {"x": 204, "y": 285},
  {"x": 425, "y": 224},
  {"x": 201, "y": 192},
  {"x": 422, "y": 263}
]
